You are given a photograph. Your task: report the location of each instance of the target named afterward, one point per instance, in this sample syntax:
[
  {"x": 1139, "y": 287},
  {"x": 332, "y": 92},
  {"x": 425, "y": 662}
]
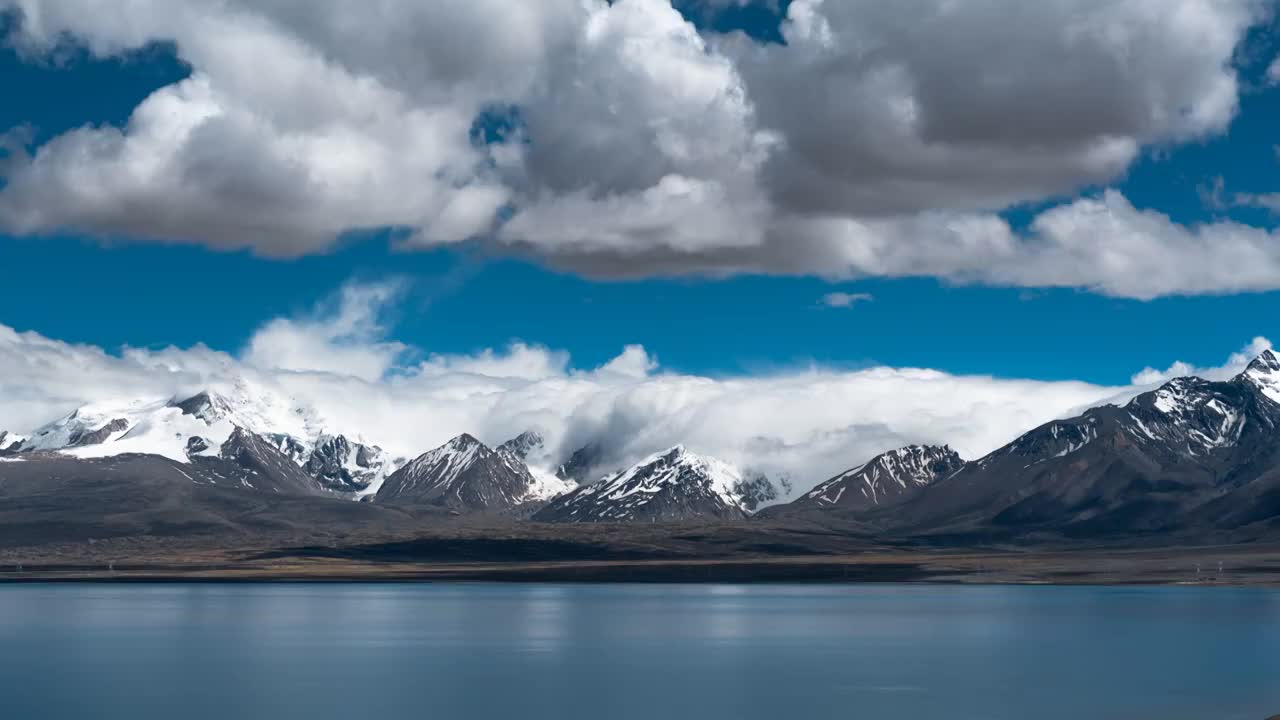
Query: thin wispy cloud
[{"x": 845, "y": 299}]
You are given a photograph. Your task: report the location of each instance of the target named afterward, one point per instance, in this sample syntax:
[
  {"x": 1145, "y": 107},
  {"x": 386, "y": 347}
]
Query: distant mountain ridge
[
  {"x": 201, "y": 425},
  {"x": 1192, "y": 456}
]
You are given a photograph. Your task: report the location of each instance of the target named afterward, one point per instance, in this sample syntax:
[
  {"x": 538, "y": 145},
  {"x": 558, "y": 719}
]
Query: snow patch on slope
[
  {"x": 663, "y": 468},
  {"x": 547, "y": 485},
  {"x": 905, "y": 468}
]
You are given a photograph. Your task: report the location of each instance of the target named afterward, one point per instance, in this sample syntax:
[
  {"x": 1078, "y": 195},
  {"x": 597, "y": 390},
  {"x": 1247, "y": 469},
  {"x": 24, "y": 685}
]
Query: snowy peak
[
  {"x": 464, "y": 474},
  {"x": 201, "y": 425},
  {"x": 1192, "y": 416},
  {"x": 523, "y": 445},
  {"x": 209, "y": 407},
  {"x": 260, "y": 466},
  {"x": 529, "y": 449},
  {"x": 445, "y": 464},
  {"x": 886, "y": 479},
  {"x": 89, "y": 425},
  {"x": 342, "y": 465},
  {"x": 756, "y": 490},
  {"x": 254, "y": 407},
  {"x": 674, "y": 484},
  {"x": 10, "y": 441},
  {"x": 1267, "y": 363},
  {"x": 1264, "y": 374}
]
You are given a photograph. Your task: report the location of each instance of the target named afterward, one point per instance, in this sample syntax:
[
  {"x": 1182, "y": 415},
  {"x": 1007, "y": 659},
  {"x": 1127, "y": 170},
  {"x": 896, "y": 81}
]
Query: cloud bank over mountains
[
  {"x": 615, "y": 140},
  {"x": 808, "y": 423}
]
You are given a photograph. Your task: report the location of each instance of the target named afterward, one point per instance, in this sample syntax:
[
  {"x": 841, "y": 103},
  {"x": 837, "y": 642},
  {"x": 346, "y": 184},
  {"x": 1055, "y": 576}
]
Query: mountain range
[{"x": 1192, "y": 456}]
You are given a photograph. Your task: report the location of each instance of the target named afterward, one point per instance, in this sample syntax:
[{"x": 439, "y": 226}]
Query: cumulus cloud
[
  {"x": 976, "y": 105},
  {"x": 1234, "y": 365},
  {"x": 343, "y": 339},
  {"x": 1102, "y": 243},
  {"x": 808, "y": 423},
  {"x": 878, "y": 140},
  {"x": 844, "y": 299}
]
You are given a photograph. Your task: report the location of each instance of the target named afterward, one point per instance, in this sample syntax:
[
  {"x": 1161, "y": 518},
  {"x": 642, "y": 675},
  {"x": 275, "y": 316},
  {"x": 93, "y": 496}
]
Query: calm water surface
[{"x": 652, "y": 652}]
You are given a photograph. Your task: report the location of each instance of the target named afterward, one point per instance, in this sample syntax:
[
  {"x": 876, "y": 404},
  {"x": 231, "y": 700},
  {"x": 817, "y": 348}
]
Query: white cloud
[
  {"x": 346, "y": 340},
  {"x": 518, "y": 362},
  {"x": 877, "y": 141},
  {"x": 1267, "y": 201},
  {"x": 976, "y": 105},
  {"x": 1102, "y": 243},
  {"x": 844, "y": 299},
  {"x": 1235, "y": 364},
  {"x": 809, "y": 423}
]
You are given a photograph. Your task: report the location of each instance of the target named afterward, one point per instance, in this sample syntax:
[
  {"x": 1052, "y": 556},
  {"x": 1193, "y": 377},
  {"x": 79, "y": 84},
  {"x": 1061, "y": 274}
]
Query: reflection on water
[{"x": 555, "y": 651}]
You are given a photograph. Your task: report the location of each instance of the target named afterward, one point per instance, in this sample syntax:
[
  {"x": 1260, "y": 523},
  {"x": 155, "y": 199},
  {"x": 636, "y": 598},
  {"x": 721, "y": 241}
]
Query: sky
[{"x": 1066, "y": 193}]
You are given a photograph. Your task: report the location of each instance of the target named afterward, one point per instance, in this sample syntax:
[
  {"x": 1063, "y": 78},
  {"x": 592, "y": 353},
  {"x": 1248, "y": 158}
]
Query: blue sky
[{"x": 76, "y": 287}]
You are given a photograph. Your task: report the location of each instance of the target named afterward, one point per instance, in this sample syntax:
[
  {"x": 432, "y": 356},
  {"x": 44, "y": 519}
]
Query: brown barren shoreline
[{"x": 1240, "y": 567}]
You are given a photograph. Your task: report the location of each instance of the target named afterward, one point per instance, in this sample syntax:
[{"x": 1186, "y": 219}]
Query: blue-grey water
[{"x": 318, "y": 651}]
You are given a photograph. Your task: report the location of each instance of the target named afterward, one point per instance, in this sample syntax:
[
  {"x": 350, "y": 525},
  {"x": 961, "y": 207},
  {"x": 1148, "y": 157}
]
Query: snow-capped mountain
[
  {"x": 200, "y": 426},
  {"x": 756, "y": 490},
  {"x": 1264, "y": 374},
  {"x": 165, "y": 426},
  {"x": 529, "y": 448},
  {"x": 345, "y": 466},
  {"x": 524, "y": 445},
  {"x": 671, "y": 485},
  {"x": 248, "y": 460},
  {"x": 1192, "y": 453},
  {"x": 1155, "y": 464},
  {"x": 464, "y": 474},
  {"x": 886, "y": 479},
  {"x": 10, "y": 441}
]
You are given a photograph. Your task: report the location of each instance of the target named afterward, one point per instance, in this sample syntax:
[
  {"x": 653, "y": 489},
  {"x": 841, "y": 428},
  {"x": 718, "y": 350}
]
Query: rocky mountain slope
[
  {"x": 465, "y": 475},
  {"x": 671, "y": 485},
  {"x": 1192, "y": 456},
  {"x": 54, "y": 498},
  {"x": 885, "y": 480},
  {"x": 248, "y": 460},
  {"x": 580, "y": 466},
  {"x": 1193, "y": 459}
]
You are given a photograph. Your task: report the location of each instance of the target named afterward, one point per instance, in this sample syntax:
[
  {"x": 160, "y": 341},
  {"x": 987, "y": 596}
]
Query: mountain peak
[
  {"x": 673, "y": 484},
  {"x": 464, "y": 474},
  {"x": 523, "y": 445},
  {"x": 888, "y": 478},
  {"x": 1267, "y": 361},
  {"x": 464, "y": 441},
  {"x": 1264, "y": 374},
  {"x": 206, "y": 405}
]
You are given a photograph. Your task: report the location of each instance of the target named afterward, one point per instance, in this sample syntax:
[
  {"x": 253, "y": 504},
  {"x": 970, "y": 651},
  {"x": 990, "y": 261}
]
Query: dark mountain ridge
[
  {"x": 1193, "y": 459},
  {"x": 464, "y": 474},
  {"x": 1192, "y": 454}
]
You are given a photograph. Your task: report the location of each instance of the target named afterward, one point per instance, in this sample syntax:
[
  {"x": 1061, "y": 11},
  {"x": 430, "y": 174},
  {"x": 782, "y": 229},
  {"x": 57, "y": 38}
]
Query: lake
[{"x": 355, "y": 651}]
